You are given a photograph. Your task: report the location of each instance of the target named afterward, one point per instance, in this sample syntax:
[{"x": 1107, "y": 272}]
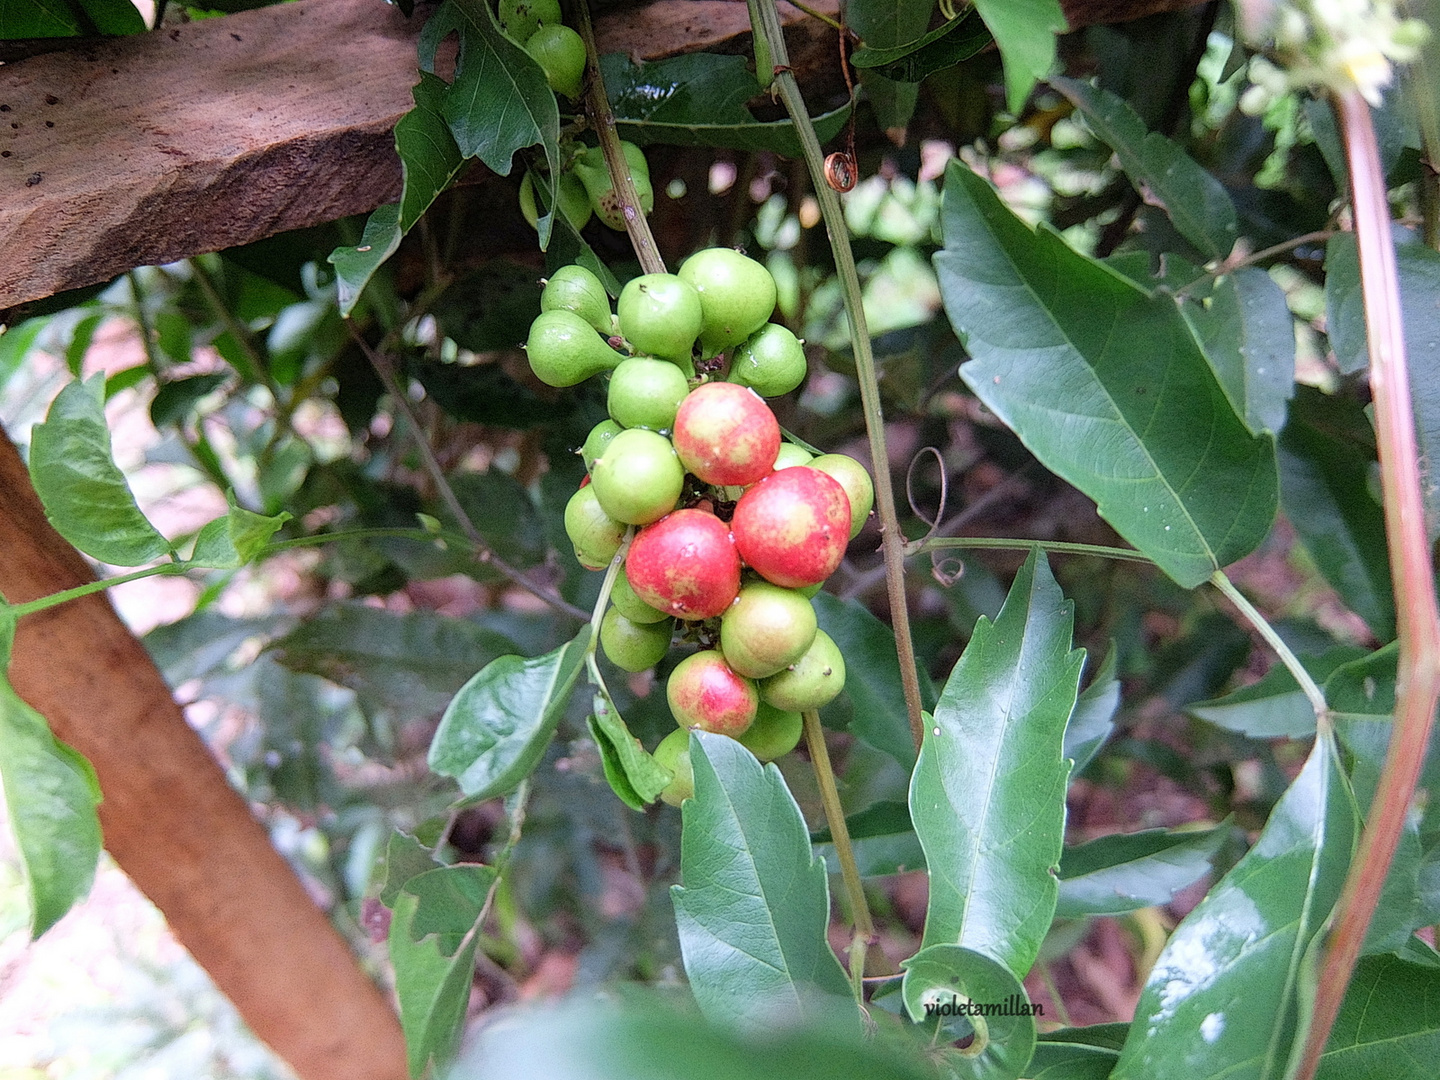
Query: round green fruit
[
  {"x": 673, "y": 753},
  {"x": 766, "y": 629},
  {"x": 521, "y": 18},
  {"x": 773, "y": 733},
  {"x": 638, "y": 478},
  {"x": 633, "y": 646},
  {"x": 791, "y": 455},
  {"x": 596, "y": 535},
  {"x": 574, "y": 202},
  {"x": 573, "y": 288},
  {"x": 598, "y": 439},
  {"x": 560, "y": 52},
  {"x": 625, "y": 600},
  {"x": 771, "y": 362},
  {"x": 564, "y": 349},
  {"x": 660, "y": 315},
  {"x": 705, "y": 692},
  {"x": 590, "y": 168},
  {"x": 645, "y": 392},
  {"x": 859, "y": 488},
  {"x": 810, "y": 682},
  {"x": 737, "y": 295}
]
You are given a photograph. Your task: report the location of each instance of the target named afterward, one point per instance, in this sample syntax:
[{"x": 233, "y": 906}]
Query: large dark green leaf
[
  {"x": 988, "y": 793},
  {"x": 1128, "y": 871},
  {"x": 1275, "y": 707},
  {"x": 429, "y": 160},
  {"x": 433, "y": 935},
  {"x": 945, "y": 46},
  {"x": 499, "y": 724},
  {"x": 755, "y": 904},
  {"x": 884, "y": 24},
  {"x": 1105, "y": 384},
  {"x": 1025, "y": 31},
  {"x": 946, "y": 986},
  {"x": 1225, "y": 993},
  {"x": 1246, "y": 331},
  {"x": 1389, "y": 1023},
  {"x": 699, "y": 100},
  {"x": 1327, "y": 457},
  {"x": 872, "y": 676},
  {"x": 86, "y": 496},
  {"x": 50, "y": 793},
  {"x": 55, "y": 18},
  {"x": 1195, "y": 200}
]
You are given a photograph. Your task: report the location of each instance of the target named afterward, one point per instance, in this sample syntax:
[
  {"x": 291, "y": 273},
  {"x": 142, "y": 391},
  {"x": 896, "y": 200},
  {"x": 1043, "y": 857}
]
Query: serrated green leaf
[
  {"x": 1274, "y": 707},
  {"x": 1106, "y": 386},
  {"x": 500, "y": 102},
  {"x": 873, "y": 676},
  {"x": 51, "y": 793},
  {"x": 433, "y": 936},
  {"x": 884, "y": 24},
  {"x": 1389, "y": 1023},
  {"x": 355, "y": 266},
  {"x": 496, "y": 729},
  {"x": 949, "y": 977},
  {"x": 755, "y": 904},
  {"x": 404, "y": 858},
  {"x": 86, "y": 496},
  {"x": 1244, "y": 327},
  {"x": 1025, "y": 30},
  {"x": 945, "y": 46},
  {"x": 633, "y": 773},
  {"x": 1327, "y": 457},
  {"x": 699, "y": 100},
  {"x": 1129, "y": 871},
  {"x": 1195, "y": 200},
  {"x": 988, "y": 793},
  {"x": 1093, "y": 720},
  {"x": 235, "y": 540},
  {"x": 1250, "y": 941}
]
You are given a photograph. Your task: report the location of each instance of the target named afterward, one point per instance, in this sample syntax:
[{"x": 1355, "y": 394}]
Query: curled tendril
[
  {"x": 934, "y": 522},
  {"x": 841, "y": 172},
  {"x": 946, "y": 571}
]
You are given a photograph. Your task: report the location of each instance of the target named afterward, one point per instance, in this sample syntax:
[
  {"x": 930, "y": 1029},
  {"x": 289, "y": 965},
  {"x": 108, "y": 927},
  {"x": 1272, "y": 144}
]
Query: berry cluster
[
  {"x": 737, "y": 528},
  {"x": 535, "y": 25}
]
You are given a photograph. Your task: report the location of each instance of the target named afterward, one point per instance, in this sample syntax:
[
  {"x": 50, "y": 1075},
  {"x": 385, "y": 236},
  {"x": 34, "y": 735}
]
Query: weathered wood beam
[{"x": 174, "y": 824}]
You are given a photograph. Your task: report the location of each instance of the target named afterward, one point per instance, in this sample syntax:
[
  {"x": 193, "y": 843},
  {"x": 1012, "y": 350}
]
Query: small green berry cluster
[{"x": 536, "y": 26}]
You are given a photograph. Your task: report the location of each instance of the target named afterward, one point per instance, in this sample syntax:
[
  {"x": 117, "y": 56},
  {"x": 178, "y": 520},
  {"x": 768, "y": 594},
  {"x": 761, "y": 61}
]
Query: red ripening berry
[
  {"x": 726, "y": 434},
  {"x": 685, "y": 565},
  {"x": 705, "y": 692},
  {"x": 792, "y": 527}
]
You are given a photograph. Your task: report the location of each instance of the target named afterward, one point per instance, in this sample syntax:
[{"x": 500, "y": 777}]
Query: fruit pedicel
[{"x": 735, "y": 528}]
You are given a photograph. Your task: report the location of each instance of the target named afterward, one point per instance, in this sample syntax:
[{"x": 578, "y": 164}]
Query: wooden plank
[{"x": 174, "y": 824}]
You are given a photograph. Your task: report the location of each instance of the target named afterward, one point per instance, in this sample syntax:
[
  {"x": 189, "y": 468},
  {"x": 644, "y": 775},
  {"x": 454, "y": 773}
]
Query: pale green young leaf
[
  {"x": 1025, "y": 31},
  {"x": 233, "y": 541},
  {"x": 948, "y": 977}
]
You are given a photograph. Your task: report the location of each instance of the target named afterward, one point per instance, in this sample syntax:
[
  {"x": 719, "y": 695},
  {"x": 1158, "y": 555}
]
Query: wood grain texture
[{"x": 172, "y": 821}]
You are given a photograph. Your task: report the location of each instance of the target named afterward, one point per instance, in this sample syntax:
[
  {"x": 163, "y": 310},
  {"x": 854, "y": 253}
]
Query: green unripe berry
[
  {"x": 633, "y": 646},
  {"x": 574, "y": 202},
  {"x": 590, "y": 168},
  {"x": 810, "y": 682},
  {"x": 645, "y": 392},
  {"x": 660, "y": 314},
  {"x": 560, "y": 52},
  {"x": 564, "y": 349},
  {"x": 596, "y": 535},
  {"x": 771, "y": 362},
  {"x": 737, "y": 295},
  {"x": 673, "y": 753},
  {"x": 859, "y": 488},
  {"x": 576, "y": 289},
  {"x": 638, "y": 478},
  {"x": 630, "y": 605},
  {"x": 598, "y": 439},
  {"x": 521, "y": 18},
  {"x": 773, "y": 733},
  {"x": 791, "y": 455},
  {"x": 766, "y": 629}
]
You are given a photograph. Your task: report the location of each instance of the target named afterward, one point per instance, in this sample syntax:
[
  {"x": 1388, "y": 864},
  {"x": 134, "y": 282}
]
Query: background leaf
[
  {"x": 755, "y": 904},
  {"x": 1249, "y": 941},
  {"x": 988, "y": 793},
  {"x": 86, "y": 496},
  {"x": 1025, "y": 31},
  {"x": 1195, "y": 200},
  {"x": 497, "y": 728},
  {"x": 1389, "y": 1023},
  {"x": 948, "y": 974},
  {"x": 1274, "y": 707},
  {"x": 634, "y": 774},
  {"x": 884, "y": 24},
  {"x": 1129, "y": 871},
  {"x": 1093, "y": 719},
  {"x": 1134, "y": 418},
  {"x": 945, "y": 46}
]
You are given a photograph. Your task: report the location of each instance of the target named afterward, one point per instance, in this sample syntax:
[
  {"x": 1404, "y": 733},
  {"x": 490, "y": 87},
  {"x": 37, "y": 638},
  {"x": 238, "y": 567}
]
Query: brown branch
[{"x": 172, "y": 821}]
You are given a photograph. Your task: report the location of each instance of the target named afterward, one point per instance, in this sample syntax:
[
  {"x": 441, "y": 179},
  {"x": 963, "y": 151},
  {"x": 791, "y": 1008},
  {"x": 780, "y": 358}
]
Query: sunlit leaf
[
  {"x": 1129, "y": 871},
  {"x": 1025, "y": 30}
]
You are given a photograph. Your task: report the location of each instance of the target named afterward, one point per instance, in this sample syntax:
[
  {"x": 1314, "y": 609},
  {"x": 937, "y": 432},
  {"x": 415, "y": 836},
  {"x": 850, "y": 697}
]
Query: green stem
[
  {"x": 379, "y": 533},
  {"x": 16, "y": 611},
  {"x": 892, "y": 539},
  {"x": 383, "y": 368},
  {"x": 844, "y": 851},
  {"x": 808, "y": 10},
  {"x": 1006, "y": 543},
  {"x": 1262, "y": 626},
  {"x": 137, "y": 299},
  {"x": 603, "y": 120},
  {"x": 601, "y": 602}
]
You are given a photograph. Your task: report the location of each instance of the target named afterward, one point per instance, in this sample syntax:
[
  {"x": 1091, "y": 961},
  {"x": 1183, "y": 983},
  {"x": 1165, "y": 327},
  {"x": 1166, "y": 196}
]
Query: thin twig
[
  {"x": 892, "y": 538},
  {"x": 1262, "y": 626},
  {"x": 386, "y": 371},
  {"x": 1417, "y": 679}
]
